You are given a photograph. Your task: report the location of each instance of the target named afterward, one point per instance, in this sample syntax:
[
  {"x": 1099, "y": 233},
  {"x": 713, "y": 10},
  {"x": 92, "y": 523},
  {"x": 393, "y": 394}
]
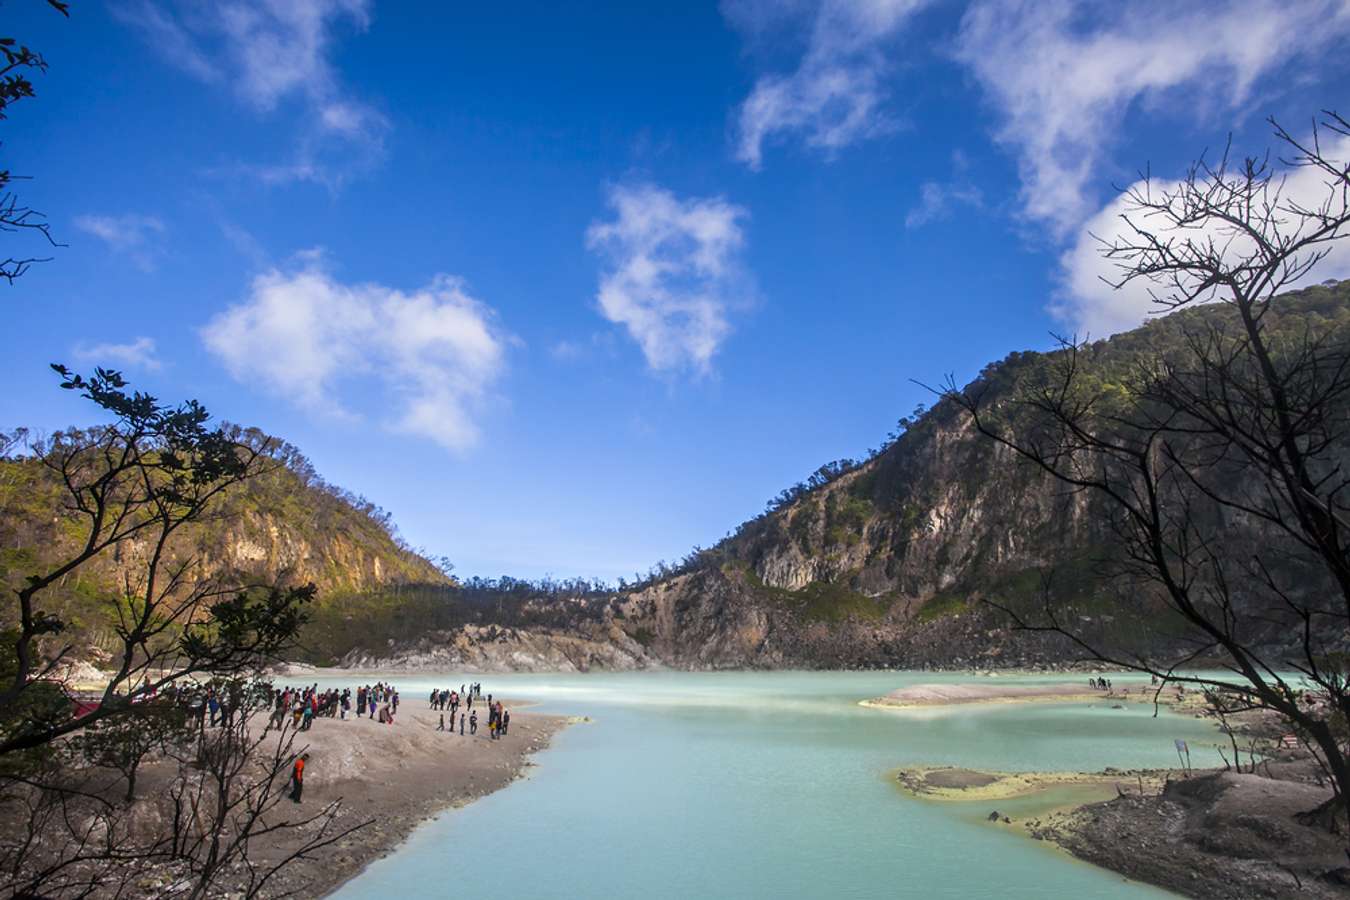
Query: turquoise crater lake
[{"x": 770, "y": 784}]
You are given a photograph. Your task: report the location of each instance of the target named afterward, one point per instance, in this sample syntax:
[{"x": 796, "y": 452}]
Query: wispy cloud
[
  {"x": 268, "y": 54},
  {"x": 431, "y": 355},
  {"x": 939, "y": 199},
  {"x": 673, "y": 273},
  {"x": 245, "y": 243},
  {"x": 1090, "y": 306},
  {"x": 134, "y": 236},
  {"x": 837, "y": 93},
  {"x": 136, "y": 354},
  {"x": 569, "y": 350},
  {"x": 1062, "y": 76}
]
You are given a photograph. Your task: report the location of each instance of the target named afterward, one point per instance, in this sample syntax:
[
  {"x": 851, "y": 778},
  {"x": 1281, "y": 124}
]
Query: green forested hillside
[{"x": 283, "y": 526}]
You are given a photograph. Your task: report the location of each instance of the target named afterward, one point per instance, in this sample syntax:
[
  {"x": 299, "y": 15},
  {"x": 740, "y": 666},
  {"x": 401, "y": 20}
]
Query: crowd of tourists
[
  {"x": 442, "y": 699},
  {"x": 300, "y": 706},
  {"x": 379, "y": 702},
  {"x": 382, "y": 697}
]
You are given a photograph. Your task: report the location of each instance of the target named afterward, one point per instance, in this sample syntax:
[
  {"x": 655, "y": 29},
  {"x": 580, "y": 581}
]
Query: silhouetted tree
[{"x": 1222, "y": 468}]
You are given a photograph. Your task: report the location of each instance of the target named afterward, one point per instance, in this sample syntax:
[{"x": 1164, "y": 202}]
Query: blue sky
[{"x": 568, "y": 289}]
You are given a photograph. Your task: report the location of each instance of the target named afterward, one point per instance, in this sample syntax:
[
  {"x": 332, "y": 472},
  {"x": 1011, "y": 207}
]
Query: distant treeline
[{"x": 403, "y": 613}]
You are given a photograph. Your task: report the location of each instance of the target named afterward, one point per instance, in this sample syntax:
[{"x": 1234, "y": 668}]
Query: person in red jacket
[{"x": 298, "y": 777}]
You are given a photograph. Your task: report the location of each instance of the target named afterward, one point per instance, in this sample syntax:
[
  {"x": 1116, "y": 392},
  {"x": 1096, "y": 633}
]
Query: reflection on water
[{"x": 764, "y": 785}]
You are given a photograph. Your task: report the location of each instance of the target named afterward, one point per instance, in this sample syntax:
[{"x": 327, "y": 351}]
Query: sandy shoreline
[
  {"x": 921, "y": 696},
  {"x": 398, "y": 777},
  {"x": 970, "y": 785}
]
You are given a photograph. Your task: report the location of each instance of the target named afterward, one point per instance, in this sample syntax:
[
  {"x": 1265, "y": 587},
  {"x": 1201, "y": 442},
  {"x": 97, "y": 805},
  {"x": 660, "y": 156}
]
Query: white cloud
[
  {"x": 673, "y": 273},
  {"x": 430, "y": 355},
  {"x": 134, "y": 236},
  {"x": 836, "y": 95},
  {"x": 1092, "y": 307},
  {"x": 1063, "y": 75},
  {"x": 137, "y": 354},
  {"x": 270, "y": 52}
]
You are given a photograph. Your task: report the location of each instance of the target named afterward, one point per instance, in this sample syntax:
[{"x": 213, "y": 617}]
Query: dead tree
[
  {"x": 125, "y": 743},
  {"x": 60, "y": 836},
  {"x": 1220, "y": 465},
  {"x": 228, "y": 797},
  {"x": 219, "y": 826}
]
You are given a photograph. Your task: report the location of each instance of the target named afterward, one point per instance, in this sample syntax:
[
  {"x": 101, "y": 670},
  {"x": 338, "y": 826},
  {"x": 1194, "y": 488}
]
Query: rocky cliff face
[
  {"x": 341, "y": 559},
  {"x": 882, "y": 567},
  {"x": 252, "y": 546},
  {"x": 494, "y": 648}
]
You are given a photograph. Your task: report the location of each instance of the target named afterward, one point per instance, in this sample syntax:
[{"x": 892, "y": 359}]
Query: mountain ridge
[
  {"x": 887, "y": 563},
  {"x": 883, "y": 562}
]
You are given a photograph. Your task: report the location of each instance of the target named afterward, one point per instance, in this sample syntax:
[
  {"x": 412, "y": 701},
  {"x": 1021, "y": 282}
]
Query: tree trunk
[{"x": 1327, "y": 815}]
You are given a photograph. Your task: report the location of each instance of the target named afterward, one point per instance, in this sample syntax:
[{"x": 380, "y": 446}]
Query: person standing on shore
[
  {"x": 298, "y": 777},
  {"x": 506, "y": 719},
  {"x": 278, "y": 712},
  {"x": 461, "y": 724},
  {"x": 473, "y": 723}
]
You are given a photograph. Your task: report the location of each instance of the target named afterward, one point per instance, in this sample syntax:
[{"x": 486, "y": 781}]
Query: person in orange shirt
[{"x": 298, "y": 777}]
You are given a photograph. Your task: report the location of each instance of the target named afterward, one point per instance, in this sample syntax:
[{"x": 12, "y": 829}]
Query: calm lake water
[{"x": 765, "y": 785}]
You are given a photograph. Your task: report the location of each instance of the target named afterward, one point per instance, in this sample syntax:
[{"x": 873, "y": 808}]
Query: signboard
[{"x": 1182, "y": 748}]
